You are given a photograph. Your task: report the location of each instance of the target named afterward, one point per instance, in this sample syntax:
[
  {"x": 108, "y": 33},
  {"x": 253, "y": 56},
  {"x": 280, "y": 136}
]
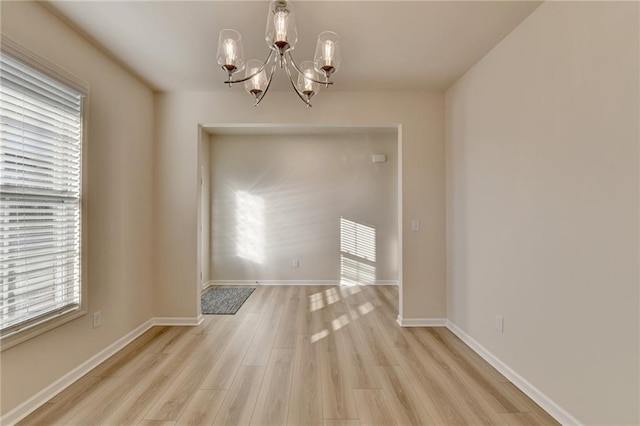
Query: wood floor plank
[
  {"x": 433, "y": 397},
  {"x": 263, "y": 339},
  {"x": 288, "y": 328},
  {"x": 373, "y": 409},
  {"x": 337, "y": 395},
  {"x": 358, "y": 363},
  {"x": 175, "y": 399},
  {"x": 474, "y": 378},
  {"x": 389, "y": 329},
  {"x": 39, "y": 417},
  {"x": 541, "y": 416},
  {"x": 341, "y": 422},
  {"x": 311, "y": 304},
  {"x": 238, "y": 405},
  {"x": 115, "y": 364},
  {"x": 67, "y": 403},
  {"x": 323, "y": 352},
  {"x": 473, "y": 409},
  {"x": 168, "y": 340},
  {"x": 381, "y": 351},
  {"x": 273, "y": 399},
  {"x": 519, "y": 419},
  {"x": 156, "y": 423},
  {"x": 223, "y": 372},
  {"x": 202, "y": 408},
  {"x": 402, "y": 400},
  {"x": 462, "y": 350},
  {"x": 115, "y": 391},
  {"x": 305, "y": 402},
  {"x": 151, "y": 388},
  {"x": 259, "y": 299}
]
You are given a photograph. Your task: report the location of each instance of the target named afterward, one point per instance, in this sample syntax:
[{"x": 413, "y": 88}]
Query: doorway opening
[{"x": 247, "y": 237}]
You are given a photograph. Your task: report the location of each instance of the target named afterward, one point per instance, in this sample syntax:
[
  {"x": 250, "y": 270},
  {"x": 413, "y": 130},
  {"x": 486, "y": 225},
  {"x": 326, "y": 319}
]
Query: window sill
[{"x": 23, "y": 335}]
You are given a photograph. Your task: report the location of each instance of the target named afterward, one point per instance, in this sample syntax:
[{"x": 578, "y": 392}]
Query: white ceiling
[{"x": 386, "y": 45}]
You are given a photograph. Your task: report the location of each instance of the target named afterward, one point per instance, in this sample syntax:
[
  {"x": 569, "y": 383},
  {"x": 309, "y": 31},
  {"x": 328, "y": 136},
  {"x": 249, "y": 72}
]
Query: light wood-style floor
[{"x": 296, "y": 356}]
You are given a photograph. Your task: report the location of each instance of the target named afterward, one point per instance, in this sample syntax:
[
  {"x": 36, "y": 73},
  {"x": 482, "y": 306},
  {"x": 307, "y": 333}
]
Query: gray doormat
[{"x": 224, "y": 301}]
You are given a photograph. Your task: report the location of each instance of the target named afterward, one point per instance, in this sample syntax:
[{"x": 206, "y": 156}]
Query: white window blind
[{"x": 40, "y": 191}]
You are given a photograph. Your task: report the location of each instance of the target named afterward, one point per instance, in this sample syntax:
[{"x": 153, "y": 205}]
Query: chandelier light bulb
[
  {"x": 230, "y": 48},
  {"x": 329, "y": 47},
  {"x": 280, "y": 23},
  {"x": 308, "y": 82}
]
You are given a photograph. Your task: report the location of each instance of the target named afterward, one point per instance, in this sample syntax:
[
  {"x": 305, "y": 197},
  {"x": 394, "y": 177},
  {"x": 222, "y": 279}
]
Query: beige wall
[
  {"x": 422, "y": 155},
  {"x": 542, "y": 205},
  {"x": 277, "y": 198},
  {"x": 119, "y": 205},
  {"x": 204, "y": 210}
]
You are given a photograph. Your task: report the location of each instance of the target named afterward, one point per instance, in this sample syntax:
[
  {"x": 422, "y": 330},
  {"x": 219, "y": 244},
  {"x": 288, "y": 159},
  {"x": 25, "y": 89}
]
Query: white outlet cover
[{"x": 97, "y": 319}]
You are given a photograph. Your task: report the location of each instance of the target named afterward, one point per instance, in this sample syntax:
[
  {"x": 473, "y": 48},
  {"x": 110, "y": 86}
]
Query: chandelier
[{"x": 281, "y": 36}]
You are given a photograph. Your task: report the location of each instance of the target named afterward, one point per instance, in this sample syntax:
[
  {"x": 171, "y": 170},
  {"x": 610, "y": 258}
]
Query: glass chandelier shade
[
  {"x": 257, "y": 84},
  {"x": 327, "y": 57},
  {"x": 306, "y": 83},
  {"x": 281, "y": 33},
  {"x": 230, "y": 53},
  {"x": 281, "y": 36}
]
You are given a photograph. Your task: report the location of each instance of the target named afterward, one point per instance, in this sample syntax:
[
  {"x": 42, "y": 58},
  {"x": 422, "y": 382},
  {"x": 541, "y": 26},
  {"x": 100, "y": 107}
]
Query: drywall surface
[
  {"x": 204, "y": 236},
  {"x": 421, "y": 116},
  {"x": 319, "y": 200},
  {"x": 542, "y": 205},
  {"x": 119, "y": 190}
]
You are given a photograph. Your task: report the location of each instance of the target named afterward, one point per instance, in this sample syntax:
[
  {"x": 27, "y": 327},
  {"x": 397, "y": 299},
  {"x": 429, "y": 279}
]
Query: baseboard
[
  {"x": 531, "y": 391},
  {"x": 33, "y": 403},
  {"x": 30, "y": 405},
  {"x": 291, "y": 282},
  {"x": 421, "y": 322}
]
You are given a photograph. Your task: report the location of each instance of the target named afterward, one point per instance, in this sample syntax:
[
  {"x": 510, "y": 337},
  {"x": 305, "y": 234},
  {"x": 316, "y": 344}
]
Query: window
[{"x": 41, "y": 123}]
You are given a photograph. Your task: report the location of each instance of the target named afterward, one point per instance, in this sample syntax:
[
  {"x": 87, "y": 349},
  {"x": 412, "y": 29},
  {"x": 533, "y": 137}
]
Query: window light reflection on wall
[{"x": 250, "y": 232}]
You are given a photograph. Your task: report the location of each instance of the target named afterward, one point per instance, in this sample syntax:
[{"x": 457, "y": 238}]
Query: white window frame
[{"x": 55, "y": 319}]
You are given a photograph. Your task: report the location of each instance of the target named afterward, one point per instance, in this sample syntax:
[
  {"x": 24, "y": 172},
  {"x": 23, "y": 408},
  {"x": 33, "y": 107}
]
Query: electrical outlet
[
  {"x": 500, "y": 323},
  {"x": 296, "y": 263},
  {"x": 97, "y": 319},
  {"x": 415, "y": 225}
]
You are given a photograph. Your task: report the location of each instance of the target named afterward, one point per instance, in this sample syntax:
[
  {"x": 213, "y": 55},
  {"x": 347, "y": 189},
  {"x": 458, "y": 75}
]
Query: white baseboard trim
[
  {"x": 421, "y": 322},
  {"x": 291, "y": 282},
  {"x": 30, "y": 405},
  {"x": 521, "y": 383}
]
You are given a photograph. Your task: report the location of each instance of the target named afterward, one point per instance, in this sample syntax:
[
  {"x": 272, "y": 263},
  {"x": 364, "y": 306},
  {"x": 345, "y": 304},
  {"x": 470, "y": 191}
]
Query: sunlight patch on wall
[
  {"x": 250, "y": 234},
  {"x": 357, "y": 253},
  {"x": 357, "y": 239}
]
